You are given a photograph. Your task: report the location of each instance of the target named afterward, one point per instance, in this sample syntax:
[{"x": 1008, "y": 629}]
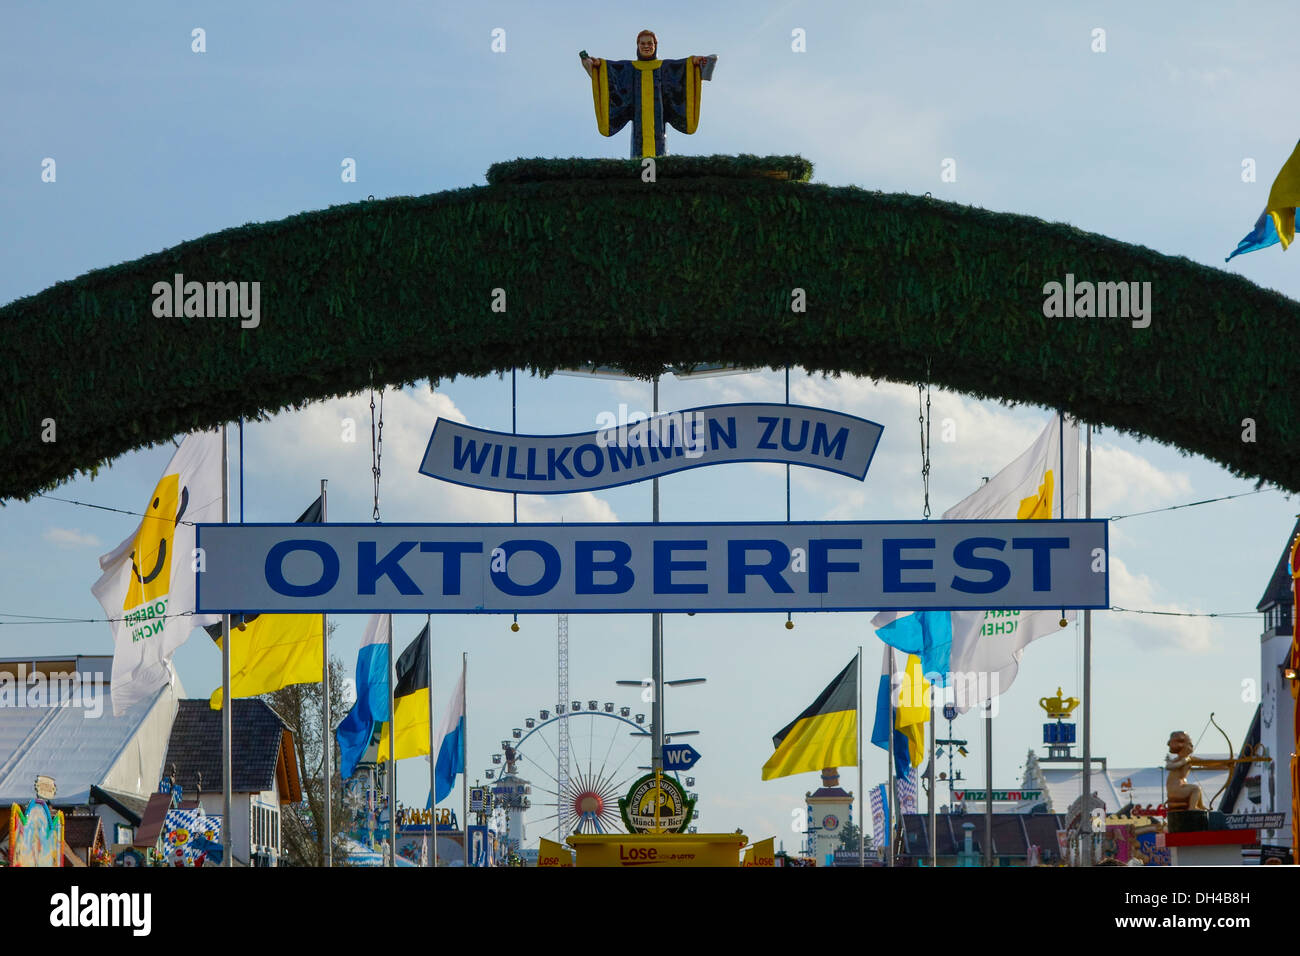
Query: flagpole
[
  {"x": 241, "y": 469},
  {"x": 433, "y": 757},
  {"x": 934, "y": 844},
  {"x": 226, "y": 724},
  {"x": 656, "y": 642},
  {"x": 1060, "y": 448},
  {"x": 1087, "y": 686},
  {"x": 988, "y": 777},
  {"x": 392, "y": 760},
  {"x": 862, "y": 833},
  {"x": 789, "y": 620},
  {"x": 327, "y": 733},
  {"x": 893, "y": 782},
  {"x": 464, "y": 754}
]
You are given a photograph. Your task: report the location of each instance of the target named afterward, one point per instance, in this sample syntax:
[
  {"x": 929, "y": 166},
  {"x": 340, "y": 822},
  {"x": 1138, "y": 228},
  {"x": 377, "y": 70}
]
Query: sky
[{"x": 1144, "y": 142}]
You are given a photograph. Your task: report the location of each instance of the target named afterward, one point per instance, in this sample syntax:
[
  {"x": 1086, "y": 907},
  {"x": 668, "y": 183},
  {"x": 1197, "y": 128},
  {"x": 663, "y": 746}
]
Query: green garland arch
[{"x": 600, "y": 266}]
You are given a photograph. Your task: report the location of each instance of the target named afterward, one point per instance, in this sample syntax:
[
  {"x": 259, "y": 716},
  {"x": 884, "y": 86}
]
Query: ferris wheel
[{"x": 608, "y": 749}]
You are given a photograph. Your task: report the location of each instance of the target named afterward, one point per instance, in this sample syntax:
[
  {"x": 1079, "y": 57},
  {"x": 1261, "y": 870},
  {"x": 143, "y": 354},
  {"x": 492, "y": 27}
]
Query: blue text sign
[
  {"x": 637, "y": 449},
  {"x": 680, "y": 756},
  {"x": 635, "y": 568}
]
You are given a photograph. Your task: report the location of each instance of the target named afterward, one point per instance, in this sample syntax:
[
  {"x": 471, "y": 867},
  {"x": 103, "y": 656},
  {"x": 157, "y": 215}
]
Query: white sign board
[
  {"x": 638, "y": 449},
  {"x": 639, "y": 568}
]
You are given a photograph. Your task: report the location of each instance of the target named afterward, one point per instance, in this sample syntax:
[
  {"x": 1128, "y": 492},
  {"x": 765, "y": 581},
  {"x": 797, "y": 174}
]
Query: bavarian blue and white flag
[
  {"x": 449, "y": 744},
  {"x": 880, "y": 819},
  {"x": 371, "y": 707}
]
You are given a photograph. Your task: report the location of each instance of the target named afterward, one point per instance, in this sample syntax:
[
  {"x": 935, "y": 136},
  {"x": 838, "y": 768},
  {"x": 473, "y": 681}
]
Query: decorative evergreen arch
[{"x": 599, "y": 266}]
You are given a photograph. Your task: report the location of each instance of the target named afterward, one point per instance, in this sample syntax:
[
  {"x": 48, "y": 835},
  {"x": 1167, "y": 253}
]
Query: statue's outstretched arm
[{"x": 706, "y": 65}]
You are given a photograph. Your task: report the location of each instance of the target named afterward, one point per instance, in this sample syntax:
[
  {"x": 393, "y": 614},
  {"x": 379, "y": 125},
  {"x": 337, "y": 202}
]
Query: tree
[
  {"x": 299, "y": 706},
  {"x": 849, "y": 839}
]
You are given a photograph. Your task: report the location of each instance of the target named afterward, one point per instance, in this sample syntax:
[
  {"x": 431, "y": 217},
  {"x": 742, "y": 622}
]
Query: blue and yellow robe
[{"x": 647, "y": 93}]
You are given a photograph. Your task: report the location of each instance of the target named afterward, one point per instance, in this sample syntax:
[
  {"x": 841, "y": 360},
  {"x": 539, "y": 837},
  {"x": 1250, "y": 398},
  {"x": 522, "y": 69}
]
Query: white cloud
[
  {"x": 1123, "y": 482},
  {"x": 982, "y": 438},
  {"x": 71, "y": 538},
  {"x": 1137, "y": 592},
  {"x": 868, "y": 133},
  {"x": 311, "y": 443},
  {"x": 986, "y": 437},
  {"x": 1205, "y": 79}
]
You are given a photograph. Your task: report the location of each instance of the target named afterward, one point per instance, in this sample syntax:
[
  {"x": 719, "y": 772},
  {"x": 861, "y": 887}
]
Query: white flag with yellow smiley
[{"x": 147, "y": 589}]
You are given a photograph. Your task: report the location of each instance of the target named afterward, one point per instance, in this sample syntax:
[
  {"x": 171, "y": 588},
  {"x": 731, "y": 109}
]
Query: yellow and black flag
[
  {"x": 270, "y": 651},
  {"x": 410, "y": 702},
  {"x": 824, "y": 735}
]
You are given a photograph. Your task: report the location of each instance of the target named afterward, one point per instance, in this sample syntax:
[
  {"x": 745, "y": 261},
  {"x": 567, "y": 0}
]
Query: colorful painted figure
[{"x": 648, "y": 93}]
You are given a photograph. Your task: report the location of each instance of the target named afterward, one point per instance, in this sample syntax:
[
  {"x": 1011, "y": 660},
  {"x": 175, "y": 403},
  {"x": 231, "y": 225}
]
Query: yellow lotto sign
[
  {"x": 762, "y": 853},
  {"x": 550, "y": 853},
  {"x": 658, "y": 849}
]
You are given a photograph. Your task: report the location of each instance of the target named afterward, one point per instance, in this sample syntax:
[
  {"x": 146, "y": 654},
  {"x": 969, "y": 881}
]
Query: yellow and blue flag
[
  {"x": 905, "y": 712},
  {"x": 1277, "y": 222},
  {"x": 924, "y": 633},
  {"x": 824, "y": 735},
  {"x": 410, "y": 702},
  {"x": 271, "y": 651}
]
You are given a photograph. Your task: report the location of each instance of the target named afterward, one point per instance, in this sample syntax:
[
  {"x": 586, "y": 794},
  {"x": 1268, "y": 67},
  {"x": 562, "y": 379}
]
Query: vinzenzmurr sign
[
  {"x": 651, "y": 447},
  {"x": 637, "y": 568}
]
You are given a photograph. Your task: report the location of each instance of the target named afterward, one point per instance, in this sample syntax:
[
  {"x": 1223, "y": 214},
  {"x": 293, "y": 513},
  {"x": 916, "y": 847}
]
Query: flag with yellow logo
[
  {"x": 824, "y": 735},
  {"x": 1042, "y": 483},
  {"x": 147, "y": 586},
  {"x": 270, "y": 651}
]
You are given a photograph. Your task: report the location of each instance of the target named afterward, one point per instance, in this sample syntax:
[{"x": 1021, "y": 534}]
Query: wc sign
[{"x": 680, "y": 756}]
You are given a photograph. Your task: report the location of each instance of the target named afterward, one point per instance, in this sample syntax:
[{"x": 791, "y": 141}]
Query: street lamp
[
  {"x": 701, "y": 369},
  {"x": 657, "y": 729}
]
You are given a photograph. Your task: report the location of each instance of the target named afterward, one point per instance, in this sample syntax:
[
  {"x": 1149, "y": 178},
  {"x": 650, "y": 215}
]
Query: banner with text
[
  {"x": 638, "y": 568},
  {"x": 629, "y": 448}
]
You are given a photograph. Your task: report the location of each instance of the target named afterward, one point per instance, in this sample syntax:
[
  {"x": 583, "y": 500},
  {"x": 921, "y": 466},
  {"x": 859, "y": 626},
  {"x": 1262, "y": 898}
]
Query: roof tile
[{"x": 194, "y": 748}]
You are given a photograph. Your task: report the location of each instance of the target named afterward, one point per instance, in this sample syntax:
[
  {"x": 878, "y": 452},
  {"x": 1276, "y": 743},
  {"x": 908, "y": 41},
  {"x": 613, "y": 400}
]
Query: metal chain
[
  {"x": 376, "y": 443},
  {"x": 923, "y": 417},
  {"x": 928, "y": 421}
]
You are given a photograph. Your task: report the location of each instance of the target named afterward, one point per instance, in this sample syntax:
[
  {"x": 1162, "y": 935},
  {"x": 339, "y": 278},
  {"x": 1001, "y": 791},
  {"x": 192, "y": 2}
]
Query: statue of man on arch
[{"x": 647, "y": 92}]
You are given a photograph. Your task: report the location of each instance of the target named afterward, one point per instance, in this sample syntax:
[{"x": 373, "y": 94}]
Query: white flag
[
  {"x": 148, "y": 583},
  {"x": 449, "y": 744},
  {"x": 1041, "y": 483}
]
